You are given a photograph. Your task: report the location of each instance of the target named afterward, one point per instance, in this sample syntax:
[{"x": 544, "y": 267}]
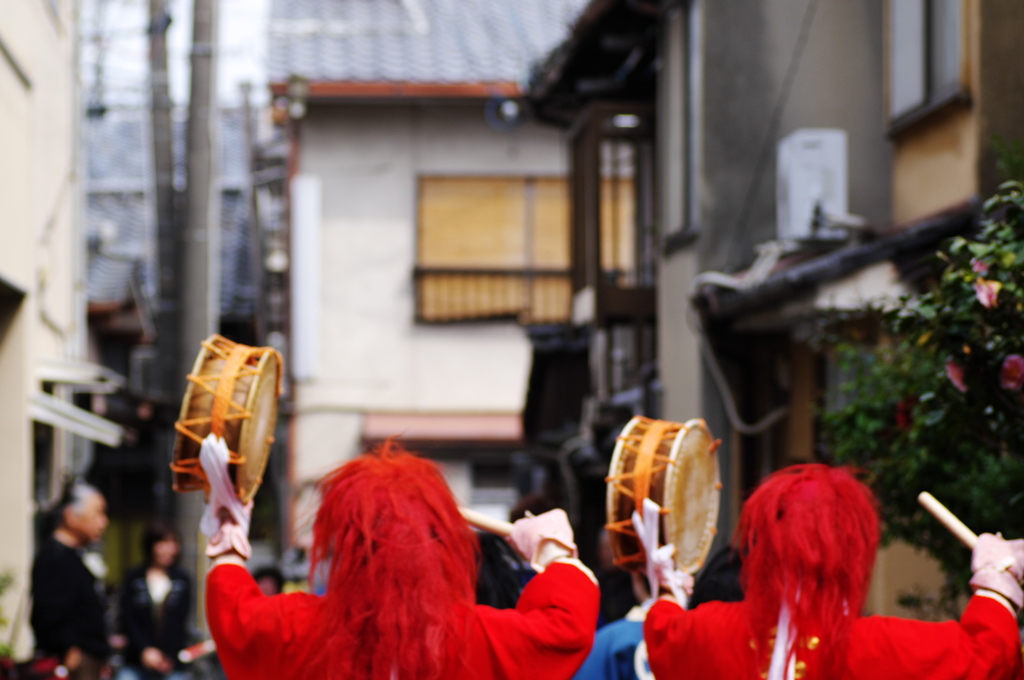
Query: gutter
[
  {"x": 384, "y": 90},
  {"x": 722, "y": 304}
]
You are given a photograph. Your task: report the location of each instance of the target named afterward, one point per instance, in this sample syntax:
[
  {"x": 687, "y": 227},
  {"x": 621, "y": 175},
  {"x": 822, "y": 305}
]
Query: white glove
[
  {"x": 226, "y": 519},
  {"x": 661, "y": 568},
  {"x": 998, "y": 565}
]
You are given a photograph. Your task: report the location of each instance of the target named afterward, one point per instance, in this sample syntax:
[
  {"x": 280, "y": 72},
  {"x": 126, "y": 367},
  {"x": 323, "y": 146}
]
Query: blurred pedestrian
[
  {"x": 68, "y": 601},
  {"x": 502, "y": 574},
  {"x": 618, "y": 596},
  {"x": 155, "y": 602},
  {"x": 270, "y": 580}
]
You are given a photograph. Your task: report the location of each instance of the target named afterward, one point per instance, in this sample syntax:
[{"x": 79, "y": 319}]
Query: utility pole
[
  {"x": 200, "y": 271},
  {"x": 170, "y": 383},
  {"x": 255, "y": 231}
]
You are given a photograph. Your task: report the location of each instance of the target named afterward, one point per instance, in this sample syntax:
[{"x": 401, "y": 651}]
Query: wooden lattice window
[{"x": 492, "y": 248}]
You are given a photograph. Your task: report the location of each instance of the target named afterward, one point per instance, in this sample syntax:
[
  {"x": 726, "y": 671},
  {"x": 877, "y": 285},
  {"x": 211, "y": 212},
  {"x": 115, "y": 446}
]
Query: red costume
[
  {"x": 809, "y": 536},
  {"x": 400, "y": 595},
  {"x": 714, "y": 641},
  {"x": 548, "y": 635}
]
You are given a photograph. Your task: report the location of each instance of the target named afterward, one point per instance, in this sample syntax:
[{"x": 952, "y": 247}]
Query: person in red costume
[
  {"x": 401, "y": 564},
  {"x": 808, "y": 537}
]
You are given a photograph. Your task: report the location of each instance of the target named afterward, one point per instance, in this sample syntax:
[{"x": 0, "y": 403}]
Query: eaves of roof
[
  {"x": 723, "y": 304},
  {"x": 349, "y": 90},
  {"x": 549, "y": 72}
]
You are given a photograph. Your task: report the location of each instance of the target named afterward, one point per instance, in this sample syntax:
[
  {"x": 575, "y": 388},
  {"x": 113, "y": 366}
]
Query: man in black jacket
[{"x": 68, "y": 601}]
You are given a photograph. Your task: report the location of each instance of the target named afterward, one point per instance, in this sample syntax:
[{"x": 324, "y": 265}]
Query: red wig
[
  {"x": 809, "y": 536},
  {"x": 401, "y": 566}
]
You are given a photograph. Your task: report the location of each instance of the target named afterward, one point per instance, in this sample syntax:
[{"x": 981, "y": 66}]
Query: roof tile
[{"x": 437, "y": 41}]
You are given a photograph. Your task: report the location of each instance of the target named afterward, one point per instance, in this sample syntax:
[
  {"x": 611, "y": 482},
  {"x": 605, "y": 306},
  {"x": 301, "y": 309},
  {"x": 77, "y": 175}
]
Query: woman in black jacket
[{"x": 155, "y": 601}]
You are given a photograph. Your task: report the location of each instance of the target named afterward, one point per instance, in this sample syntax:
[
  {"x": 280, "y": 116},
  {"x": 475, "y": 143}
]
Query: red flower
[
  {"x": 987, "y": 292},
  {"x": 955, "y": 373},
  {"x": 979, "y": 266},
  {"x": 1011, "y": 376}
]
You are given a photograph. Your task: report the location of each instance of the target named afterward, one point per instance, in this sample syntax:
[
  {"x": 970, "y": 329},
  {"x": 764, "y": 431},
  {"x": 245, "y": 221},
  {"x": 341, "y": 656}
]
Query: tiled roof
[
  {"x": 120, "y": 210},
  {"x": 434, "y": 41}
]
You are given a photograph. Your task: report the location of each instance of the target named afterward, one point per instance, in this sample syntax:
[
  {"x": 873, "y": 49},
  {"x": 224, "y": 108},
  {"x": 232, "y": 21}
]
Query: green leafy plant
[
  {"x": 6, "y": 581},
  {"x": 938, "y": 406},
  {"x": 1010, "y": 157}
]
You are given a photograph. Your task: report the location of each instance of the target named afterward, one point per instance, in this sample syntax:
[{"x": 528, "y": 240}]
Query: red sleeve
[
  {"x": 258, "y": 636},
  {"x": 547, "y": 636},
  {"x": 709, "y": 641},
  {"x": 984, "y": 644},
  {"x": 665, "y": 627}
]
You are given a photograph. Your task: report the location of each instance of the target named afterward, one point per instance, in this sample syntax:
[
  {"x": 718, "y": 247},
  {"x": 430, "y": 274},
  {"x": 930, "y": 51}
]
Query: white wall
[
  {"x": 38, "y": 192},
  {"x": 372, "y": 356}
]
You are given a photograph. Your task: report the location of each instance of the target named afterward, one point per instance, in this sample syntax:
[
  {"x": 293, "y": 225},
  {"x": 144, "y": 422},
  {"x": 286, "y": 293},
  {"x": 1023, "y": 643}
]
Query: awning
[
  {"x": 447, "y": 427},
  {"x": 88, "y": 377},
  {"x": 45, "y": 408}
]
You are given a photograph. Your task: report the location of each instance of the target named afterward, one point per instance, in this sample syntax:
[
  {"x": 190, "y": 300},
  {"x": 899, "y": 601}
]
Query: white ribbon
[
  {"x": 213, "y": 456},
  {"x": 779, "y": 669},
  {"x": 659, "y": 560}
]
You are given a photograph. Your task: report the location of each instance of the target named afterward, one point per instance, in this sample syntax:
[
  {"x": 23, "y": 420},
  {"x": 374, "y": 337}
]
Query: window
[
  {"x": 492, "y": 248},
  {"x": 614, "y": 196},
  {"x": 925, "y": 53}
]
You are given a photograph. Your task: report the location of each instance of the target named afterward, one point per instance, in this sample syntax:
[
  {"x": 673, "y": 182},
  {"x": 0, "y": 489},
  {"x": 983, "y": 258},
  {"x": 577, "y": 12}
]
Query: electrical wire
[
  {"x": 737, "y": 423},
  {"x": 768, "y": 144},
  {"x": 724, "y": 390}
]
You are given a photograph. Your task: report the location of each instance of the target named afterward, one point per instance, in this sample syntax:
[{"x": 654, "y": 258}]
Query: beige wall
[
  {"x": 38, "y": 192},
  {"x": 679, "y": 360},
  {"x": 902, "y": 570},
  {"x": 935, "y": 164},
  {"x": 372, "y": 355}
]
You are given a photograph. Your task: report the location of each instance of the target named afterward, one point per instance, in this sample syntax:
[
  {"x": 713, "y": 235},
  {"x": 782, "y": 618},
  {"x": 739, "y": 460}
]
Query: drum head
[
  {"x": 257, "y": 433},
  {"x": 692, "y": 491}
]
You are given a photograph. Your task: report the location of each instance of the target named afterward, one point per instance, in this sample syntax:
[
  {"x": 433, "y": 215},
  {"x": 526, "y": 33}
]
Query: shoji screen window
[{"x": 493, "y": 248}]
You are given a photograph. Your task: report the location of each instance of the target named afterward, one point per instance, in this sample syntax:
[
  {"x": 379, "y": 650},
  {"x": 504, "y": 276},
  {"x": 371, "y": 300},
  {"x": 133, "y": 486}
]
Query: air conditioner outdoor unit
[{"x": 812, "y": 184}]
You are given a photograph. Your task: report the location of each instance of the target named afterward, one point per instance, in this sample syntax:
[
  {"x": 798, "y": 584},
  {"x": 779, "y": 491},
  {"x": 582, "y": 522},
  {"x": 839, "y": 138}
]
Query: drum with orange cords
[
  {"x": 676, "y": 466},
  {"x": 232, "y": 392}
]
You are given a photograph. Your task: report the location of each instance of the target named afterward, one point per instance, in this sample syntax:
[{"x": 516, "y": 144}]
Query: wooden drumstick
[
  {"x": 482, "y": 521},
  {"x": 951, "y": 522}
]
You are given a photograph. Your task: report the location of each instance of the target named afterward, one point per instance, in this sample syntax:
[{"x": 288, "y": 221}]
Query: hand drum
[
  {"x": 676, "y": 466},
  {"x": 232, "y": 392}
]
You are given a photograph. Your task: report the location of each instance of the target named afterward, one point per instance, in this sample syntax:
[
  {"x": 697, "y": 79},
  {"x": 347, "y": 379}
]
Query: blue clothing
[
  {"x": 613, "y": 656},
  {"x": 139, "y": 673}
]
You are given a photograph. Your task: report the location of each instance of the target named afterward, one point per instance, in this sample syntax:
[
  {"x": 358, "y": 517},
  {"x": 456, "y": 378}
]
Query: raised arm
[{"x": 549, "y": 633}]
